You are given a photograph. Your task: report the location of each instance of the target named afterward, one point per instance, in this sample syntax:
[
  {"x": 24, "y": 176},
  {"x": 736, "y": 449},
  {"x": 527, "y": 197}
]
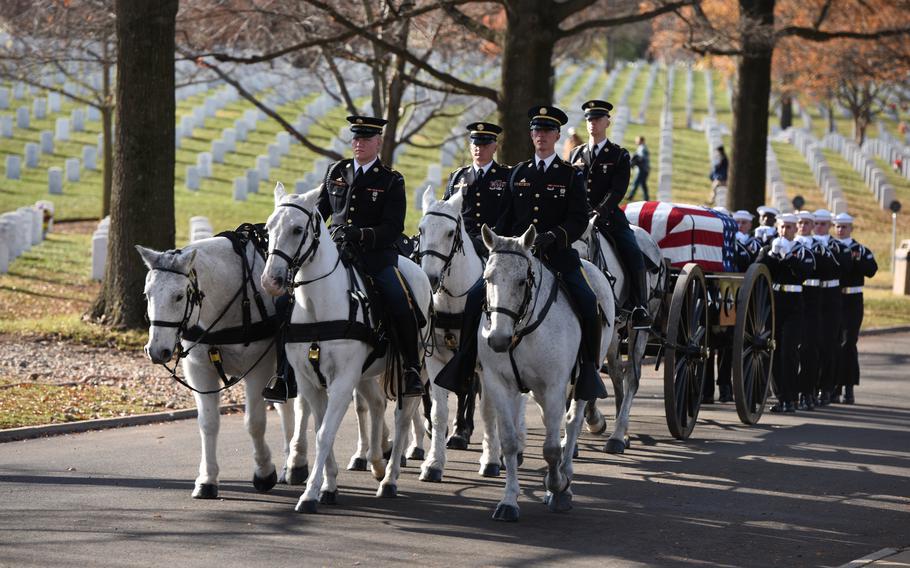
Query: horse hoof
[
  {"x": 328, "y": 497},
  {"x": 628, "y": 442},
  {"x": 457, "y": 442},
  {"x": 263, "y": 484},
  {"x": 506, "y": 513},
  {"x": 595, "y": 429},
  {"x": 431, "y": 474},
  {"x": 306, "y": 507},
  {"x": 298, "y": 475},
  {"x": 390, "y": 490},
  {"x": 615, "y": 446},
  {"x": 417, "y": 454},
  {"x": 358, "y": 464},
  {"x": 490, "y": 470},
  {"x": 575, "y": 452},
  {"x": 559, "y": 502},
  {"x": 205, "y": 491},
  {"x": 521, "y": 458}
]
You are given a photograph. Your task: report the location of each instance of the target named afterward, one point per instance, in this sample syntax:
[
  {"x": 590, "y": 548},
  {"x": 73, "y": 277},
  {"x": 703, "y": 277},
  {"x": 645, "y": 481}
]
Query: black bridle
[
  {"x": 194, "y": 298},
  {"x": 297, "y": 260},
  {"x": 457, "y": 246},
  {"x": 531, "y": 283}
]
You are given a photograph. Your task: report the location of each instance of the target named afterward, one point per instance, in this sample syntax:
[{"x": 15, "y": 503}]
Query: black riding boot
[
  {"x": 638, "y": 291},
  {"x": 407, "y": 345},
  {"x": 589, "y": 385},
  {"x": 284, "y": 384},
  {"x": 456, "y": 375}
]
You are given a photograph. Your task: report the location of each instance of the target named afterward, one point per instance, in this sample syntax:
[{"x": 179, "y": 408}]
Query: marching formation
[{"x": 498, "y": 298}]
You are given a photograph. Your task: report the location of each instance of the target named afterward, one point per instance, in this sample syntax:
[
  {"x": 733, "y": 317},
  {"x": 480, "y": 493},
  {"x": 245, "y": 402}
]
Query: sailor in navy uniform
[
  {"x": 482, "y": 185},
  {"x": 862, "y": 266},
  {"x": 789, "y": 263},
  {"x": 366, "y": 202},
  {"x": 607, "y": 167},
  {"x": 809, "y": 338},
  {"x": 833, "y": 260},
  {"x": 766, "y": 230},
  {"x": 549, "y": 194}
]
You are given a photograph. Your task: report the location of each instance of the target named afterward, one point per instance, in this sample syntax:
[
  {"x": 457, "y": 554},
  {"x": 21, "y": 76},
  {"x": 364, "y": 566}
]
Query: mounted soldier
[
  {"x": 549, "y": 194},
  {"x": 607, "y": 168},
  {"x": 366, "y": 202}
]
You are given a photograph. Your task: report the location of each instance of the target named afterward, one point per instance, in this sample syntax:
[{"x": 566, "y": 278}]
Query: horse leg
[
  {"x": 264, "y": 475},
  {"x": 297, "y": 468},
  {"x": 203, "y": 377},
  {"x": 553, "y": 408},
  {"x": 359, "y": 460},
  {"x": 433, "y": 467},
  {"x": 521, "y": 411},
  {"x": 619, "y": 439},
  {"x": 505, "y": 403},
  {"x": 418, "y": 431},
  {"x": 563, "y": 501},
  {"x": 490, "y": 459},
  {"x": 403, "y": 418},
  {"x": 328, "y": 410},
  {"x": 372, "y": 394}
]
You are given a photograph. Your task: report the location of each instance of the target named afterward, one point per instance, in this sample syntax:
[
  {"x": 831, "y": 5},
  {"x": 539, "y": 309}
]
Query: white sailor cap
[
  {"x": 805, "y": 216},
  {"x": 743, "y": 215},
  {"x": 787, "y": 218},
  {"x": 843, "y": 219},
  {"x": 822, "y": 215},
  {"x": 766, "y": 209}
]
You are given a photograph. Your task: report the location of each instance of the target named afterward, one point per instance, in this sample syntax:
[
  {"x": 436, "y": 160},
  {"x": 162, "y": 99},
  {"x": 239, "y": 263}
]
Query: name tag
[{"x": 555, "y": 186}]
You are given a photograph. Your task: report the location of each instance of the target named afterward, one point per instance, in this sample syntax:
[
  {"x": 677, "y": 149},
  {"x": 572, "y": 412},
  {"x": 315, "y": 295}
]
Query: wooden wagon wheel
[
  {"x": 686, "y": 351},
  {"x": 753, "y": 344}
]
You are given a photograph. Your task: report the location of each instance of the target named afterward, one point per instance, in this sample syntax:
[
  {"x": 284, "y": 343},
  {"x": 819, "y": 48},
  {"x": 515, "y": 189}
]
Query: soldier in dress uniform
[
  {"x": 789, "y": 264},
  {"x": 810, "y": 336},
  {"x": 862, "y": 266},
  {"x": 607, "y": 167},
  {"x": 366, "y": 202},
  {"x": 482, "y": 185},
  {"x": 766, "y": 230},
  {"x": 832, "y": 259},
  {"x": 549, "y": 194}
]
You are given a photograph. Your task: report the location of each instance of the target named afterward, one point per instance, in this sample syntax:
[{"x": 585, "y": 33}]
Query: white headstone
[
  {"x": 230, "y": 139},
  {"x": 4, "y": 248},
  {"x": 90, "y": 157},
  {"x": 72, "y": 169},
  {"x": 54, "y": 101},
  {"x": 62, "y": 129},
  {"x": 37, "y": 225},
  {"x": 241, "y": 128},
  {"x": 55, "y": 181},
  {"x": 262, "y": 166},
  {"x": 192, "y": 178},
  {"x": 274, "y": 155},
  {"x": 240, "y": 185},
  {"x": 47, "y": 142},
  {"x": 4, "y": 98},
  {"x": 94, "y": 114},
  {"x": 32, "y": 153},
  {"x": 39, "y": 107},
  {"x": 186, "y": 125},
  {"x": 99, "y": 254},
  {"x": 18, "y": 91},
  {"x": 218, "y": 150},
  {"x": 6, "y": 126},
  {"x": 22, "y": 117},
  {"x": 284, "y": 142},
  {"x": 13, "y": 167},
  {"x": 252, "y": 181},
  {"x": 301, "y": 186},
  {"x": 78, "y": 117},
  {"x": 204, "y": 161}
]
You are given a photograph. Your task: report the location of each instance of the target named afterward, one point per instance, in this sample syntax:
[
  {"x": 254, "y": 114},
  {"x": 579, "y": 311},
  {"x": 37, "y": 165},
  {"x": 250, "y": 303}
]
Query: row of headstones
[
  {"x": 709, "y": 94},
  {"x": 714, "y": 138},
  {"x": 864, "y": 165},
  {"x": 776, "y": 191},
  {"x": 62, "y": 126},
  {"x": 200, "y": 228},
  {"x": 827, "y": 182},
  {"x": 803, "y": 114},
  {"x": 649, "y": 86},
  {"x": 622, "y": 114},
  {"x": 573, "y": 106},
  {"x": 22, "y": 229},
  {"x": 890, "y": 149},
  {"x": 665, "y": 179},
  {"x": 690, "y": 87}
]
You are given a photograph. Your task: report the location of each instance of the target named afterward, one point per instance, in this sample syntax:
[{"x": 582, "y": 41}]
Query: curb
[
  {"x": 871, "y": 559},
  {"x": 884, "y": 330},
  {"x": 29, "y": 432}
]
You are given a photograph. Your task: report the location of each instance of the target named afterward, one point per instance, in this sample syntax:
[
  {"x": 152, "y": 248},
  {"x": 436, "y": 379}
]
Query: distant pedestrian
[
  {"x": 571, "y": 142},
  {"x": 641, "y": 159},
  {"x": 719, "y": 168}
]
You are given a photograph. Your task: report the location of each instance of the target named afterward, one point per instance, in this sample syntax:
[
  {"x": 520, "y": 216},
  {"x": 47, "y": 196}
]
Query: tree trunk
[
  {"x": 832, "y": 126},
  {"x": 395, "y": 94},
  {"x": 106, "y": 131},
  {"x": 860, "y": 125},
  {"x": 610, "y": 59},
  {"x": 786, "y": 112},
  {"x": 527, "y": 74},
  {"x": 750, "y": 109},
  {"x": 142, "y": 203}
]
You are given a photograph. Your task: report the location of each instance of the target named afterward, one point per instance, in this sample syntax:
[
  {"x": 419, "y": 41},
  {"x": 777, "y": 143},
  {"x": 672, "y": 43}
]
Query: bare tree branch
[
  {"x": 628, "y": 19},
  {"x": 471, "y": 24},
  {"x": 820, "y": 35}
]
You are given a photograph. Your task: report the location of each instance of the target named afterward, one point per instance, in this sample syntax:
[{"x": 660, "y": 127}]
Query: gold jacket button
[
  {"x": 349, "y": 221},
  {"x": 534, "y": 221},
  {"x": 351, "y": 208},
  {"x": 536, "y": 208}
]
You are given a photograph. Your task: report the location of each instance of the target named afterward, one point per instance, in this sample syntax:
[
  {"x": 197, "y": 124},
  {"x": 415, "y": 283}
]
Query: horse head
[
  {"x": 510, "y": 282},
  {"x": 173, "y": 296},
  {"x": 441, "y": 235},
  {"x": 294, "y": 228}
]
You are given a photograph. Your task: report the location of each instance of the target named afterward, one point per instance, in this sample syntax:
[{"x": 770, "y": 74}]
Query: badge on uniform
[
  {"x": 375, "y": 192},
  {"x": 522, "y": 183},
  {"x": 605, "y": 168},
  {"x": 579, "y": 162}
]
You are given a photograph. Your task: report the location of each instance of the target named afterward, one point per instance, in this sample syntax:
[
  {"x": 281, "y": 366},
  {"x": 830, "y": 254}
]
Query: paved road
[{"x": 814, "y": 489}]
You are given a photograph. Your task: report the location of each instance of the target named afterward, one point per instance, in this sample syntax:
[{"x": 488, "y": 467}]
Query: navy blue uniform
[
  {"x": 862, "y": 266},
  {"x": 833, "y": 260},
  {"x": 482, "y": 199}
]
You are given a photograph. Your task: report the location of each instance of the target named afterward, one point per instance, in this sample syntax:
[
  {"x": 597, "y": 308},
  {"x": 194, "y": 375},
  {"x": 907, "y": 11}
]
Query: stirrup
[
  {"x": 409, "y": 388},
  {"x": 640, "y": 318},
  {"x": 276, "y": 390}
]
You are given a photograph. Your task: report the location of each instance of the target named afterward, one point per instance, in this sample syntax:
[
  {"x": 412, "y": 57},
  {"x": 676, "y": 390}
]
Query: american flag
[{"x": 688, "y": 233}]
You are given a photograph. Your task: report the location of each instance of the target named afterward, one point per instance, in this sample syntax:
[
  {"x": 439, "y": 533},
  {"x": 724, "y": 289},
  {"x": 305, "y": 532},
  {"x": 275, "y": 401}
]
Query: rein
[
  {"x": 297, "y": 260},
  {"x": 457, "y": 246}
]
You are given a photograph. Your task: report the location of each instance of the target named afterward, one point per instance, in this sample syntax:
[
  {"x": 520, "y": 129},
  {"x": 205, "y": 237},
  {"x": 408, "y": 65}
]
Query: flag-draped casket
[{"x": 688, "y": 233}]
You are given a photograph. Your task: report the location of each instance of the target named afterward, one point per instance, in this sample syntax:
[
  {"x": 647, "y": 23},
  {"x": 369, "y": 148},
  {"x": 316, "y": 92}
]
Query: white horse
[
  {"x": 202, "y": 285},
  {"x": 625, "y": 374},
  {"x": 523, "y": 295},
  {"x": 321, "y": 292},
  {"x": 452, "y": 268}
]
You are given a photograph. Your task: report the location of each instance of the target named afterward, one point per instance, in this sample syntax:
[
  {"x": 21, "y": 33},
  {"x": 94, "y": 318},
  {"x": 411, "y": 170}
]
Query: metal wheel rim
[{"x": 753, "y": 344}]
